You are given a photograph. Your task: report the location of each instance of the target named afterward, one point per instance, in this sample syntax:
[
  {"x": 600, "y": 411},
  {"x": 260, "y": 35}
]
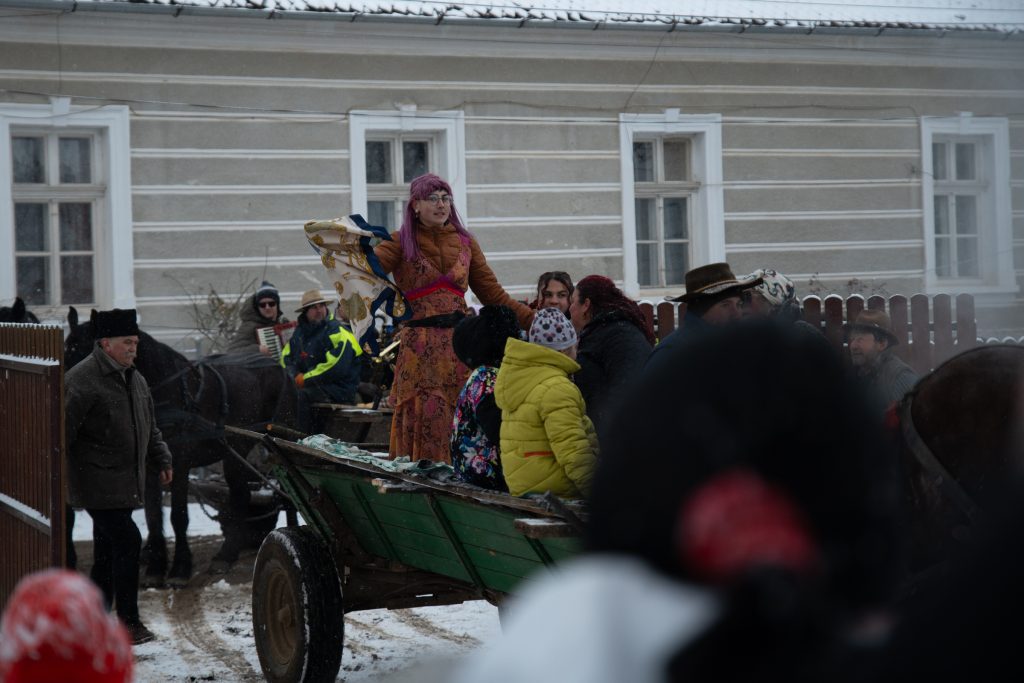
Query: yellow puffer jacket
[{"x": 547, "y": 441}]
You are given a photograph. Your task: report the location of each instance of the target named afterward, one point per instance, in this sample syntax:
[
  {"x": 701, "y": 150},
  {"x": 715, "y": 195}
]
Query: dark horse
[
  {"x": 193, "y": 402},
  {"x": 958, "y": 430},
  {"x": 17, "y": 313}
]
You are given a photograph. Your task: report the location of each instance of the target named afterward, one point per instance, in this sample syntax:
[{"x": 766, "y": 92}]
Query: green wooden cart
[{"x": 375, "y": 539}]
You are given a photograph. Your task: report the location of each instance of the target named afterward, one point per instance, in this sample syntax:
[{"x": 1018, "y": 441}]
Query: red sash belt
[{"x": 442, "y": 282}]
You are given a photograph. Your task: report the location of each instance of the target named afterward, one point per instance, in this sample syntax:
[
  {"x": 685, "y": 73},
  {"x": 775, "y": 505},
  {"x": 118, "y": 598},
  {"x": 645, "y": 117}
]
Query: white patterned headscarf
[{"x": 777, "y": 289}]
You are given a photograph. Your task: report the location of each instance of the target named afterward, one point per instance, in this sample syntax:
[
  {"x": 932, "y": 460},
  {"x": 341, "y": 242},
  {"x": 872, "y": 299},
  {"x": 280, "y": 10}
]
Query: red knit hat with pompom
[{"x": 55, "y": 628}]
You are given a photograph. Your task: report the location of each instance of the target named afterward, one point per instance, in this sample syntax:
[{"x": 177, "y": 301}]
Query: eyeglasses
[
  {"x": 267, "y": 304},
  {"x": 443, "y": 198}
]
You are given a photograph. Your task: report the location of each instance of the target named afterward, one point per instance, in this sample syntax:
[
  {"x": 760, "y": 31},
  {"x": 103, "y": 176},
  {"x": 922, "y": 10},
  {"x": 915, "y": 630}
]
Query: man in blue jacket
[{"x": 323, "y": 357}]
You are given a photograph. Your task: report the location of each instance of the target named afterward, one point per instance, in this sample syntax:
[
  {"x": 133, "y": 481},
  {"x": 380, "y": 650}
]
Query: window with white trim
[
  {"x": 389, "y": 149},
  {"x": 392, "y": 162},
  {"x": 58, "y": 191},
  {"x": 65, "y": 190},
  {"x": 672, "y": 206},
  {"x": 968, "y": 234},
  {"x": 663, "y": 194}
]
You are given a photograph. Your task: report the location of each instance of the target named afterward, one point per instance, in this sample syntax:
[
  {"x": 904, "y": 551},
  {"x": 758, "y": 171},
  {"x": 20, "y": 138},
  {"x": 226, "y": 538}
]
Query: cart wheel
[{"x": 297, "y": 608}]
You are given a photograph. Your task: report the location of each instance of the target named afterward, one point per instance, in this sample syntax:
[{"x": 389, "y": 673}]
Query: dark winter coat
[
  {"x": 327, "y": 356},
  {"x": 612, "y": 352},
  {"x": 245, "y": 340},
  {"x": 111, "y": 433},
  {"x": 889, "y": 379},
  {"x": 669, "y": 347}
]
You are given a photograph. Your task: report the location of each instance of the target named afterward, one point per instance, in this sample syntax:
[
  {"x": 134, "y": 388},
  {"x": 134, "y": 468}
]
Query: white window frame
[
  {"x": 707, "y": 230},
  {"x": 995, "y": 229},
  {"x": 112, "y": 222},
  {"x": 447, "y": 128}
]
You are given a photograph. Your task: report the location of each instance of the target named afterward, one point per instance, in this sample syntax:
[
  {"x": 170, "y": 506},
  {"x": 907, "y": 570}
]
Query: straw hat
[
  {"x": 311, "y": 297},
  {"x": 714, "y": 279}
]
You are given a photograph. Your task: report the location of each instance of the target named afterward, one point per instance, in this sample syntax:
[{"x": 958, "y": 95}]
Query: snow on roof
[{"x": 992, "y": 15}]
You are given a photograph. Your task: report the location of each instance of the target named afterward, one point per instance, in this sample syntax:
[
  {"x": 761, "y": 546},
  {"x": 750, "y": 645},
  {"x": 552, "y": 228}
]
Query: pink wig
[{"x": 421, "y": 188}]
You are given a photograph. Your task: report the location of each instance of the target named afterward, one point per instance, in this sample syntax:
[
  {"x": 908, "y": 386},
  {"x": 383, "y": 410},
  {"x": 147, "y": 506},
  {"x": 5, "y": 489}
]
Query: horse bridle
[{"x": 949, "y": 486}]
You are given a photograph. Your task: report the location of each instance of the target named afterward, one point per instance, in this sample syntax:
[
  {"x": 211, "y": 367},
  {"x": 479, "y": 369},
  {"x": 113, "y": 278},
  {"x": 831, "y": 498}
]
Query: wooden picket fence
[
  {"x": 31, "y": 459},
  {"x": 930, "y": 329}
]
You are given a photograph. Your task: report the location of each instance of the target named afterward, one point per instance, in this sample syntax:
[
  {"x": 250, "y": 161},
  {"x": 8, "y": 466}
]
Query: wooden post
[
  {"x": 966, "y": 327},
  {"x": 648, "y": 312},
  {"x": 921, "y": 344},
  {"x": 834, "y": 324},
  {"x": 898, "y": 315},
  {"x": 666, "y": 319},
  {"x": 812, "y": 312},
  {"x": 942, "y": 330}
]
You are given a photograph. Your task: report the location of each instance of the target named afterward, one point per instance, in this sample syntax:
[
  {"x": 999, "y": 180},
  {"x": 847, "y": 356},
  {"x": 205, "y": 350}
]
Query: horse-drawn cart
[{"x": 379, "y": 536}]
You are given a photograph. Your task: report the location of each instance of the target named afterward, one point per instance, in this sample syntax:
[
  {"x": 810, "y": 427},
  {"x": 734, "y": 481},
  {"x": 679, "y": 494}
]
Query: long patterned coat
[{"x": 428, "y": 376}]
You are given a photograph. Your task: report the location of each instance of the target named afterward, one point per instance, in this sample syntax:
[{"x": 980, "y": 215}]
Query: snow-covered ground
[{"x": 204, "y": 631}]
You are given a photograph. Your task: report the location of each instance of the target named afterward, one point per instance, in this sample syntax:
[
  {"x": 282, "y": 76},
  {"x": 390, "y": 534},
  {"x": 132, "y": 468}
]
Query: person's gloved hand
[{"x": 300, "y": 380}]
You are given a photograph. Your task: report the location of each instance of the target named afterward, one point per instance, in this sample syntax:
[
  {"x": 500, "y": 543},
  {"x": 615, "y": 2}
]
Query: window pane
[
  {"x": 30, "y": 227},
  {"x": 966, "y": 215},
  {"x": 75, "y": 160},
  {"x": 414, "y": 160},
  {"x": 964, "y": 161},
  {"x": 76, "y": 227},
  {"x": 942, "y": 259},
  {"x": 76, "y": 280},
  {"x": 647, "y": 264},
  {"x": 967, "y": 256},
  {"x": 381, "y": 213},
  {"x": 645, "y": 219},
  {"x": 939, "y": 161},
  {"x": 676, "y": 227},
  {"x": 32, "y": 279},
  {"x": 941, "y": 215},
  {"x": 677, "y": 262},
  {"x": 28, "y": 160},
  {"x": 378, "y": 161},
  {"x": 643, "y": 162},
  {"x": 675, "y": 159}
]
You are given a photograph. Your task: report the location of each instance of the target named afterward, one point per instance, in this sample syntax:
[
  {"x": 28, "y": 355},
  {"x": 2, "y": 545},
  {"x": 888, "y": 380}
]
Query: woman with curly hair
[{"x": 615, "y": 341}]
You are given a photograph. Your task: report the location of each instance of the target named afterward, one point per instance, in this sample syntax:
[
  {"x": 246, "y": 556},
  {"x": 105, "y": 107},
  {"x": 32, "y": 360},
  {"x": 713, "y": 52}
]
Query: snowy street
[{"x": 204, "y": 631}]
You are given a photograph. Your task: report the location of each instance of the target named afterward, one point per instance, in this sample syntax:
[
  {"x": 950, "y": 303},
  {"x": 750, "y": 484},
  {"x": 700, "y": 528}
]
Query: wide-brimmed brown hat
[
  {"x": 873, "y": 321},
  {"x": 714, "y": 279},
  {"x": 313, "y": 296}
]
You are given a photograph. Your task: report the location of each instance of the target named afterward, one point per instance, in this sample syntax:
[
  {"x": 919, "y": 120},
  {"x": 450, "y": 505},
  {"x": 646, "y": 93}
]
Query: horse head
[
  {"x": 966, "y": 413},
  {"x": 17, "y": 313},
  {"x": 80, "y": 340}
]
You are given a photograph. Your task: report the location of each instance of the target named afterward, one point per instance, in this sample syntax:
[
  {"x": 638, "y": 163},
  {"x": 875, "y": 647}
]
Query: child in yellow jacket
[{"x": 547, "y": 441}]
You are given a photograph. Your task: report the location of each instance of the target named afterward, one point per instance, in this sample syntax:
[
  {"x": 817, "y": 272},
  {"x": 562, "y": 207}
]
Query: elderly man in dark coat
[
  {"x": 111, "y": 436},
  {"x": 871, "y": 342}
]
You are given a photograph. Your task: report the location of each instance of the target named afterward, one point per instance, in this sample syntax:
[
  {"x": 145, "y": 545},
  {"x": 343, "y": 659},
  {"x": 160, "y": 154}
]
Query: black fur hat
[
  {"x": 480, "y": 339},
  {"x": 120, "y": 322}
]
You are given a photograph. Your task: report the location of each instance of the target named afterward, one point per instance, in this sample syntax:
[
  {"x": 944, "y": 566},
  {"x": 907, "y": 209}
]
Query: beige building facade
[{"x": 148, "y": 157}]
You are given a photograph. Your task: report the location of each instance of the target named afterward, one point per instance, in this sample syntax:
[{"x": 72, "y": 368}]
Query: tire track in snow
[
  {"x": 187, "y": 617},
  {"x": 428, "y": 627}
]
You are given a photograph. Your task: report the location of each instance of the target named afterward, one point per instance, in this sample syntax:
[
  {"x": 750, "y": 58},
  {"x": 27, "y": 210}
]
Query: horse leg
[
  {"x": 181, "y": 568},
  {"x": 154, "y": 553},
  {"x": 233, "y": 520}
]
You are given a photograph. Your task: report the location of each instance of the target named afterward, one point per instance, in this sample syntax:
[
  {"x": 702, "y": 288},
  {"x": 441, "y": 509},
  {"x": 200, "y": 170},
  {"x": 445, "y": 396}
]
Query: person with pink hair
[
  {"x": 434, "y": 261},
  {"x": 55, "y": 628}
]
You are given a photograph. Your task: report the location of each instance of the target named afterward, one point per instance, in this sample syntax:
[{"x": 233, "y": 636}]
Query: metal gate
[{"x": 31, "y": 451}]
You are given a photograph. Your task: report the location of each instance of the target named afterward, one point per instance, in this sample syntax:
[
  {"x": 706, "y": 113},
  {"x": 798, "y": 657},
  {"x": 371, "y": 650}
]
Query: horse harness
[{"x": 947, "y": 484}]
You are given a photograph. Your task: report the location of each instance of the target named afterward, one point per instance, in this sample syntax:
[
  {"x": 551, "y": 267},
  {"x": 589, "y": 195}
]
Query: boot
[{"x": 138, "y": 632}]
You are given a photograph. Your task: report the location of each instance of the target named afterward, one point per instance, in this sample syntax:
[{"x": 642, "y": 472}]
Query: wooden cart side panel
[{"x": 562, "y": 549}]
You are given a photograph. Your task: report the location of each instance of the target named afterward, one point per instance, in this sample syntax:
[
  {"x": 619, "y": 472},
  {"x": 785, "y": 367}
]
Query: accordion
[{"x": 275, "y": 337}]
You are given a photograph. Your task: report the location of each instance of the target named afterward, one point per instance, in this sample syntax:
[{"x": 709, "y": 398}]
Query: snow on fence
[{"x": 930, "y": 329}]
